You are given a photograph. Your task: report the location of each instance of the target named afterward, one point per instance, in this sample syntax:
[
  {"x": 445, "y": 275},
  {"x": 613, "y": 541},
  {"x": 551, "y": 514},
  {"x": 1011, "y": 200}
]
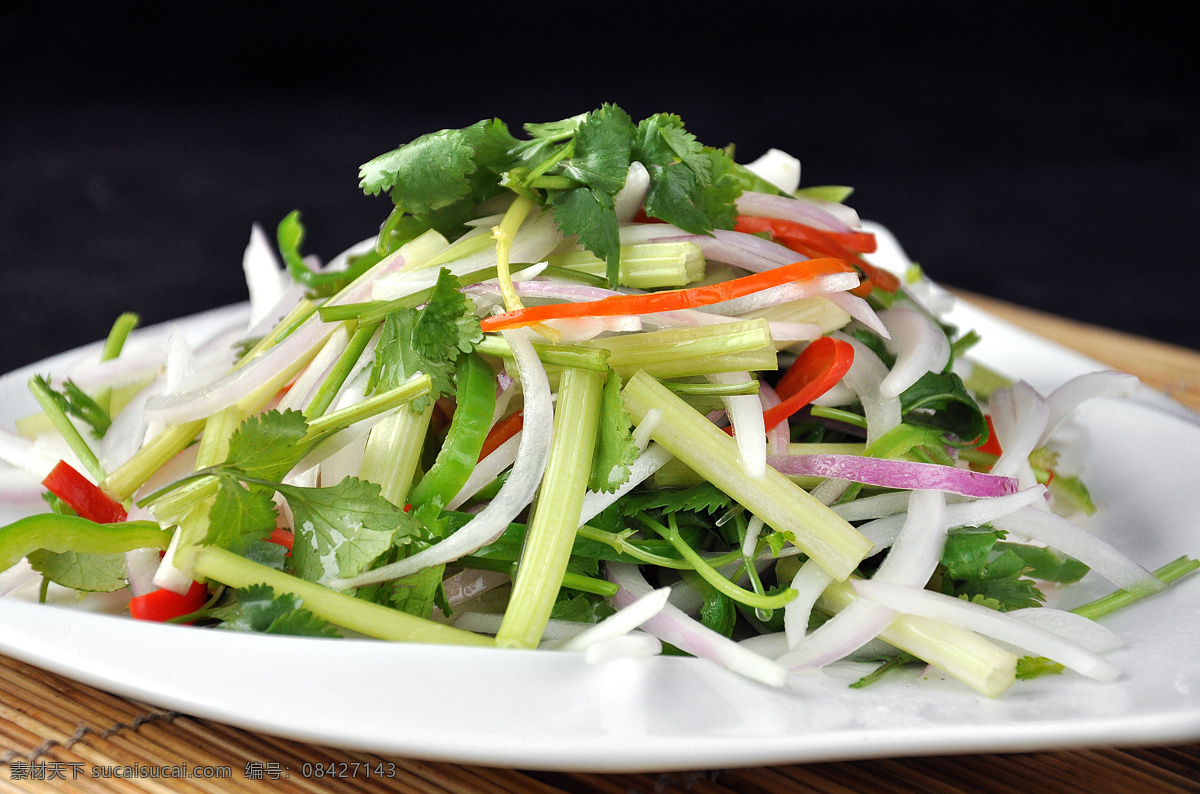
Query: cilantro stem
[
  {"x": 839, "y": 415},
  {"x": 341, "y": 370},
  {"x": 702, "y": 567},
  {"x": 713, "y": 389},
  {"x": 65, "y": 427},
  {"x": 113, "y": 344},
  {"x": 324, "y": 426},
  {"x": 503, "y": 234},
  {"x": 346, "y": 611},
  {"x": 1106, "y": 605}
]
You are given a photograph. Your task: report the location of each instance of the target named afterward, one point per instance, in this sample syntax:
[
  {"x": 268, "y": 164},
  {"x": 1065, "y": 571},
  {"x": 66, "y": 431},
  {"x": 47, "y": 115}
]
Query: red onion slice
[
  {"x": 672, "y": 626},
  {"x": 779, "y": 439},
  {"x": 955, "y": 611},
  {"x": 894, "y": 474},
  {"x": 792, "y": 209},
  {"x": 1075, "y": 628}
]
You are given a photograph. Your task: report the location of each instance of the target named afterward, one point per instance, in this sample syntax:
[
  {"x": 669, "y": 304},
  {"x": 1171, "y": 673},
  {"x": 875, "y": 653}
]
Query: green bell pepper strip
[
  {"x": 469, "y": 427},
  {"x": 58, "y": 533}
]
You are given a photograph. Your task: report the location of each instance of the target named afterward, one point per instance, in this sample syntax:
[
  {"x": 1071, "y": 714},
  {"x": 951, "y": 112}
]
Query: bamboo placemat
[{"x": 56, "y": 733}]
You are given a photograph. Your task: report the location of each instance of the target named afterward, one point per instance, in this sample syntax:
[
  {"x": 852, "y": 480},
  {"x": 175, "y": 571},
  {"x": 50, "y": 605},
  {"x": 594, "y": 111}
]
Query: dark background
[{"x": 1045, "y": 155}]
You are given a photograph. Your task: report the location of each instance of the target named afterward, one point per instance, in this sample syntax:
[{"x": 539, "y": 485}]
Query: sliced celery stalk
[
  {"x": 643, "y": 265},
  {"x": 393, "y": 452},
  {"x": 699, "y": 350},
  {"x": 560, "y": 355},
  {"x": 818, "y": 531},
  {"x": 677, "y": 474},
  {"x": 815, "y": 310},
  {"x": 349, "y": 612},
  {"x": 976, "y": 661},
  {"x": 555, "y": 519}
]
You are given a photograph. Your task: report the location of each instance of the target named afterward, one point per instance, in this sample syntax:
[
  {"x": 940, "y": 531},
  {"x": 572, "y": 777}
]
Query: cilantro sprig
[{"x": 574, "y": 167}]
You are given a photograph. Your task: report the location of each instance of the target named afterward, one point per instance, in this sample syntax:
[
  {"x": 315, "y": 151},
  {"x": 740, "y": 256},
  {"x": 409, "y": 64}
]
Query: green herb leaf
[
  {"x": 239, "y": 517},
  {"x": 74, "y": 401},
  {"x": 590, "y": 216},
  {"x": 940, "y": 400},
  {"x": 261, "y": 611},
  {"x": 341, "y": 529},
  {"x": 267, "y": 446},
  {"x": 615, "y": 449},
  {"x": 99, "y": 573},
  {"x": 603, "y": 141}
]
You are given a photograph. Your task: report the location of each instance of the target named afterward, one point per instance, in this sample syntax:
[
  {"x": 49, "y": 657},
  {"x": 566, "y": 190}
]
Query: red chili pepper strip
[
  {"x": 282, "y": 537},
  {"x": 86, "y": 499},
  {"x": 816, "y": 370},
  {"x": 809, "y": 241},
  {"x": 992, "y": 447},
  {"x": 162, "y": 605},
  {"x": 502, "y": 431},
  {"x": 669, "y": 300}
]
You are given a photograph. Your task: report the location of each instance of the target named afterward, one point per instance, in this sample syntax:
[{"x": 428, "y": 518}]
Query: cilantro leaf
[
  {"x": 1037, "y": 666},
  {"x": 267, "y": 446},
  {"x": 705, "y": 497},
  {"x": 98, "y": 573},
  {"x": 416, "y": 593},
  {"x": 940, "y": 400},
  {"x": 428, "y": 340},
  {"x": 74, "y": 401},
  {"x": 615, "y": 449},
  {"x": 239, "y": 516},
  {"x": 590, "y": 216},
  {"x": 260, "y": 610},
  {"x": 428, "y": 173},
  {"x": 977, "y": 571},
  {"x": 341, "y": 529},
  {"x": 603, "y": 141},
  {"x": 581, "y": 608}
]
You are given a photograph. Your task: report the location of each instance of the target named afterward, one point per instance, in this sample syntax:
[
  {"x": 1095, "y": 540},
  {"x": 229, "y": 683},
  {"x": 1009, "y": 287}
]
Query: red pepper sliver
[
  {"x": 502, "y": 431},
  {"x": 162, "y": 605},
  {"x": 809, "y": 241},
  {"x": 282, "y": 537},
  {"x": 816, "y": 370},
  {"x": 992, "y": 447},
  {"x": 669, "y": 300},
  {"x": 86, "y": 499}
]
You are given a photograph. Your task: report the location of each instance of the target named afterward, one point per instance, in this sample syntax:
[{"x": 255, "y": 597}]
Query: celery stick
[
  {"x": 551, "y": 531},
  {"x": 698, "y": 350},
  {"x": 815, "y": 310},
  {"x": 346, "y": 362},
  {"x": 976, "y": 661},
  {"x": 817, "y": 531},
  {"x": 113, "y": 345},
  {"x": 643, "y": 265},
  {"x": 393, "y": 452},
  {"x": 352, "y": 613},
  {"x": 554, "y": 355}
]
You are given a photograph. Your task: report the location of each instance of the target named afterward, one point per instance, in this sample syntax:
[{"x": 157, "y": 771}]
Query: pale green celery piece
[
  {"x": 422, "y": 249},
  {"x": 214, "y": 440},
  {"x": 133, "y": 473},
  {"x": 697, "y": 350},
  {"x": 393, "y": 452},
  {"x": 462, "y": 247},
  {"x": 703, "y": 389},
  {"x": 549, "y": 354},
  {"x": 834, "y": 193},
  {"x": 982, "y": 381},
  {"x": 556, "y": 515},
  {"x": 301, "y": 311},
  {"x": 342, "y": 610},
  {"x": 976, "y": 661},
  {"x": 643, "y": 265},
  {"x": 816, "y": 310},
  {"x": 817, "y": 531}
]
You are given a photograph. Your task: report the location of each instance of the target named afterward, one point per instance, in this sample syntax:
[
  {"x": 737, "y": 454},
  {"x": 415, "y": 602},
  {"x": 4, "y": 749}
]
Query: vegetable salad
[{"x": 598, "y": 388}]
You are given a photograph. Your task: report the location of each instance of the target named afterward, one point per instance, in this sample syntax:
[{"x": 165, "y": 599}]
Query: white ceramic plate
[{"x": 541, "y": 710}]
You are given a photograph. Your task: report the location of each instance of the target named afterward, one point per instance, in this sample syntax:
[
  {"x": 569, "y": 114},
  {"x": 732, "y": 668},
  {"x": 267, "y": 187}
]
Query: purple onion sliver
[{"x": 894, "y": 474}]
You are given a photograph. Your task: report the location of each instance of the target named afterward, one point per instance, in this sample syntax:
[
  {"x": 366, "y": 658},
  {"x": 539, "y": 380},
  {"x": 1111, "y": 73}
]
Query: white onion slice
[
  {"x": 468, "y": 583},
  {"x": 917, "y": 601},
  {"x": 635, "y": 645},
  {"x": 537, "y": 435},
  {"x": 779, "y": 440},
  {"x": 628, "y": 200},
  {"x": 809, "y": 582},
  {"x": 1067, "y": 397},
  {"x": 745, "y": 414},
  {"x": 860, "y": 310},
  {"x": 1061, "y": 534},
  {"x": 912, "y": 561},
  {"x": 779, "y": 168},
  {"x": 883, "y": 531},
  {"x": 621, "y": 622},
  {"x": 1019, "y": 426},
  {"x": 1076, "y": 628},
  {"x": 672, "y": 626},
  {"x": 864, "y": 377},
  {"x": 487, "y": 470},
  {"x": 919, "y": 346},
  {"x": 266, "y": 280}
]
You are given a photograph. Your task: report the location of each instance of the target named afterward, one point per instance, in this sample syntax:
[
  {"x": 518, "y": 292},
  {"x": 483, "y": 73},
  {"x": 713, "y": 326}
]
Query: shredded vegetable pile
[{"x": 597, "y": 389}]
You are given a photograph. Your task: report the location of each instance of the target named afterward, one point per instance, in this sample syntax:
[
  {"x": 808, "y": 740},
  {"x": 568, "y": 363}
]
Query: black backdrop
[{"x": 1046, "y": 155}]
